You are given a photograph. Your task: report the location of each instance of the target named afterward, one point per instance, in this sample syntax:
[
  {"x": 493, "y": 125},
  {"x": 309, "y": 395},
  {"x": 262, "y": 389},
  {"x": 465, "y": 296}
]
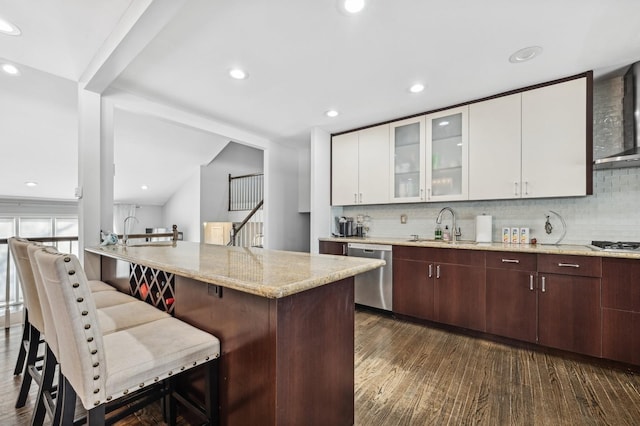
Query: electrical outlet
[{"x": 403, "y": 219}]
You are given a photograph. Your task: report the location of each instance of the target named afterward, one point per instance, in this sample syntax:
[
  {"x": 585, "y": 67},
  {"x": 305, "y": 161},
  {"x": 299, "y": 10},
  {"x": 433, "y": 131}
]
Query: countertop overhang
[
  {"x": 565, "y": 249},
  {"x": 267, "y": 273}
]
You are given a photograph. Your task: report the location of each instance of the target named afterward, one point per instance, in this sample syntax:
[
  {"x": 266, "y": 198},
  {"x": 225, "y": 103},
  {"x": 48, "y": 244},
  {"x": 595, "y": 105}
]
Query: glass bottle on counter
[{"x": 438, "y": 233}]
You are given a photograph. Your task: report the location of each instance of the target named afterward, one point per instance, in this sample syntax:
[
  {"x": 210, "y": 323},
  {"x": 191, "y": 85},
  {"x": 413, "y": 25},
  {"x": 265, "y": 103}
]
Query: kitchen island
[{"x": 285, "y": 322}]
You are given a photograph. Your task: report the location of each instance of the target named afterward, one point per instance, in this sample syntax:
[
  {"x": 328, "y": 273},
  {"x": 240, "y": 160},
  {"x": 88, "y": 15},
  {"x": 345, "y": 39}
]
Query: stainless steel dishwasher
[{"x": 374, "y": 288}]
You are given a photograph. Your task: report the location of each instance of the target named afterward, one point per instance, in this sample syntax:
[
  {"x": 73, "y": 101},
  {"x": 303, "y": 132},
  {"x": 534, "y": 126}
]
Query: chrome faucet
[
  {"x": 455, "y": 232},
  {"x": 124, "y": 231}
]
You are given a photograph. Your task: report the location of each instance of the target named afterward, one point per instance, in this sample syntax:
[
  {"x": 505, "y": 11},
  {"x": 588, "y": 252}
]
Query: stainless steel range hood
[{"x": 630, "y": 157}]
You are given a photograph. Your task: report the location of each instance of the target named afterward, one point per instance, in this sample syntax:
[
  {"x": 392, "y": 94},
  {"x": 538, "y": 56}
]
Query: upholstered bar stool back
[
  {"x": 102, "y": 368},
  {"x": 33, "y": 324},
  {"x": 18, "y": 247}
]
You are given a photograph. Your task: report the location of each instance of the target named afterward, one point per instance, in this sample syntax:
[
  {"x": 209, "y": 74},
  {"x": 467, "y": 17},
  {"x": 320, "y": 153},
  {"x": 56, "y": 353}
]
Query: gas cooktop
[{"x": 617, "y": 246}]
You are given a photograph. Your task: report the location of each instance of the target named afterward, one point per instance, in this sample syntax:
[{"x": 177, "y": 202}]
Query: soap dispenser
[
  {"x": 438, "y": 232},
  {"x": 446, "y": 235}
]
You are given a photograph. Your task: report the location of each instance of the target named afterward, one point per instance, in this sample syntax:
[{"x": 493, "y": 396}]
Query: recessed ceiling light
[
  {"x": 144, "y": 187},
  {"x": 443, "y": 123},
  {"x": 416, "y": 88},
  {"x": 353, "y": 6},
  {"x": 525, "y": 54},
  {"x": 332, "y": 113},
  {"x": 10, "y": 69},
  {"x": 238, "y": 74},
  {"x": 8, "y": 28},
  {"x": 31, "y": 184}
]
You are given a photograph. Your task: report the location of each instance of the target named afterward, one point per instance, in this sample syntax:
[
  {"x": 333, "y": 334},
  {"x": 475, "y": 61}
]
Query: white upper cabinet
[
  {"x": 495, "y": 148},
  {"x": 373, "y": 165},
  {"x": 554, "y": 148},
  {"x": 344, "y": 169},
  {"x": 447, "y": 155},
  {"x": 359, "y": 161},
  {"x": 407, "y": 152},
  {"x": 530, "y": 144}
]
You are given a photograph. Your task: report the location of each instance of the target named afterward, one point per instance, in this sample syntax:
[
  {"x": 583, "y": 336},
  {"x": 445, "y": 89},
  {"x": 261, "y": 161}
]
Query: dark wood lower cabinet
[
  {"x": 584, "y": 304},
  {"x": 459, "y": 296},
  {"x": 621, "y": 310},
  {"x": 512, "y": 308},
  {"x": 569, "y": 313},
  {"x": 621, "y": 335},
  {"x": 442, "y": 285},
  {"x": 413, "y": 288}
]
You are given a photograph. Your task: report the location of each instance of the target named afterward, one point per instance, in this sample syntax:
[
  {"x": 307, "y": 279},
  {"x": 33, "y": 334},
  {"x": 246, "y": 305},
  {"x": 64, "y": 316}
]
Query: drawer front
[
  {"x": 440, "y": 255},
  {"x": 585, "y": 266},
  {"x": 512, "y": 260},
  {"x": 331, "y": 247}
]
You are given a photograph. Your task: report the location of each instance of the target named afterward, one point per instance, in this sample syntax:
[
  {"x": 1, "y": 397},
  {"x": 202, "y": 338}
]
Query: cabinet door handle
[
  {"x": 515, "y": 192},
  {"x": 510, "y": 261},
  {"x": 531, "y": 282},
  {"x": 422, "y": 193},
  {"x": 430, "y": 271},
  {"x": 544, "y": 287},
  {"x": 526, "y": 188},
  {"x": 344, "y": 250},
  {"x": 361, "y": 198},
  {"x": 438, "y": 271},
  {"x": 568, "y": 265},
  {"x": 355, "y": 198},
  {"x": 428, "y": 193}
]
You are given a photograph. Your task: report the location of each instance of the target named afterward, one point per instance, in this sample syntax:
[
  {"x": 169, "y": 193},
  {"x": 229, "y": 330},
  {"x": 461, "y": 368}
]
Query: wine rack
[{"x": 153, "y": 286}]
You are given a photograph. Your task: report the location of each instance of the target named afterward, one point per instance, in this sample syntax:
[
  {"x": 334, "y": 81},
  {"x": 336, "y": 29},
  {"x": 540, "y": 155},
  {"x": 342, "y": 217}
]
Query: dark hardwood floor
[{"x": 408, "y": 374}]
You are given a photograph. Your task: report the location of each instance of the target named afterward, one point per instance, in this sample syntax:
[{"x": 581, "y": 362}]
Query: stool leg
[
  {"x": 68, "y": 403},
  {"x": 32, "y": 355},
  {"x": 57, "y": 413},
  {"x": 170, "y": 403},
  {"x": 212, "y": 404},
  {"x": 26, "y": 326},
  {"x": 96, "y": 416},
  {"x": 48, "y": 371}
]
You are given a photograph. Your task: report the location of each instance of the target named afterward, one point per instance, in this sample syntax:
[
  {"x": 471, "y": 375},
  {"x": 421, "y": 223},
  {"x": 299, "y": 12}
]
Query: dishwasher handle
[{"x": 369, "y": 248}]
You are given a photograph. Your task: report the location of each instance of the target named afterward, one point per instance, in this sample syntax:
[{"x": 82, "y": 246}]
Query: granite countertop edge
[
  {"x": 348, "y": 267},
  {"x": 562, "y": 249}
]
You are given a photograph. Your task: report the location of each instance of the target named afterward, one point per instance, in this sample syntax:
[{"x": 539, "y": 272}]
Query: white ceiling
[
  {"x": 142, "y": 143},
  {"x": 305, "y": 57}
]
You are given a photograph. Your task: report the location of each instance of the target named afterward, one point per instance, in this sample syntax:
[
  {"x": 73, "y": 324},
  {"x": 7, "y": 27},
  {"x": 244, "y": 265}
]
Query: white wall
[
  {"x": 38, "y": 111},
  {"x": 285, "y": 228},
  {"x": 234, "y": 159},
  {"x": 304, "y": 179},
  {"x": 183, "y": 208}
]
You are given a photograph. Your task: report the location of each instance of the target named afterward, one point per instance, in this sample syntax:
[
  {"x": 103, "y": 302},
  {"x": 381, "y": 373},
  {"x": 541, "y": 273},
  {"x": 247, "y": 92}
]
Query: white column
[
  {"x": 320, "y": 186},
  {"x": 95, "y": 174}
]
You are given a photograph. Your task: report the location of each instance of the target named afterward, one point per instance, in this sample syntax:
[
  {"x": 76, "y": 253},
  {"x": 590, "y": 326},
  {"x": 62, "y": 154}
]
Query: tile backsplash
[{"x": 611, "y": 213}]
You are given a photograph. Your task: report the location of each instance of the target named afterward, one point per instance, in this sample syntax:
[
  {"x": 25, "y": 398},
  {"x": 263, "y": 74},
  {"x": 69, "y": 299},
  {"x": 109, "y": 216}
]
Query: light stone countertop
[
  {"x": 566, "y": 249},
  {"x": 267, "y": 273}
]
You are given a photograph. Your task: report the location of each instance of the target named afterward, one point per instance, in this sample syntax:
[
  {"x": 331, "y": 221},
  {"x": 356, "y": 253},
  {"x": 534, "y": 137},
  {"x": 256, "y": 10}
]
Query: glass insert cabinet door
[
  {"x": 408, "y": 165},
  {"x": 447, "y": 155}
]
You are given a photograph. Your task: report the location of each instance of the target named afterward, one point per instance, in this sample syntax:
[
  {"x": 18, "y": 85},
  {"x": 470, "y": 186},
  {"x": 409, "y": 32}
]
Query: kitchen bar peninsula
[{"x": 285, "y": 321}]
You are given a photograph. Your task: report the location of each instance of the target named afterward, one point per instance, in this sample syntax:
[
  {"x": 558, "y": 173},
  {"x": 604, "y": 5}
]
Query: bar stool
[
  {"x": 33, "y": 324},
  {"x": 120, "y": 312},
  {"x": 113, "y": 317},
  {"x": 104, "y": 369},
  {"x": 24, "y": 277}
]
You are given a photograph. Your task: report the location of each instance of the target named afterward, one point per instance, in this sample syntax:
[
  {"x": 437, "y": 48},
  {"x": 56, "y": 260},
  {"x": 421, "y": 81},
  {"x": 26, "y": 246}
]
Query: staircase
[{"x": 246, "y": 193}]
